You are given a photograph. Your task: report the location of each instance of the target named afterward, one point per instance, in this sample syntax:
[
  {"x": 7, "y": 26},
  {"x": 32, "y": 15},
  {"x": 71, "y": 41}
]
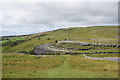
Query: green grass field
[
  {"x": 61, "y": 66},
  {"x": 104, "y": 34},
  {"x": 54, "y": 66}
]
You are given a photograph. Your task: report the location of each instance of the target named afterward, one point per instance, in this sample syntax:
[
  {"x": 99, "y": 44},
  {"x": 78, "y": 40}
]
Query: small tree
[
  {"x": 7, "y": 39},
  {"x": 56, "y": 41},
  {"x": 48, "y": 38},
  {"x": 64, "y": 39}
]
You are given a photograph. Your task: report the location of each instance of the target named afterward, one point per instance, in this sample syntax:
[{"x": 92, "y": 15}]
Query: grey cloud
[{"x": 52, "y": 15}]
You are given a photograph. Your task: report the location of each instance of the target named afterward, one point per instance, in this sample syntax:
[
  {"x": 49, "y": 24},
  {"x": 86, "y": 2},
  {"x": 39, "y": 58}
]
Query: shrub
[
  {"x": 65, "y": 39},
  {"x": 105, "y": 70},
  {"x": 16, "y": 43},
  {"x": 48, "y": 38},
  {"x": 22, "y": 52},
  {"x": 31, "y": 51},
  {"x": 12, "y": 45},
  {"x": 7, "y": 39},
  {"x": 56, "y": 41}
]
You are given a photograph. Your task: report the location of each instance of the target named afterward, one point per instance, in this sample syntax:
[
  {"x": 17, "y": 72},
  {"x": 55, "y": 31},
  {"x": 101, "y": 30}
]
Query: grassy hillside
[
  {"x": 97, "y": 34},
  {"x": 61, "y": 66},
  {"x": 54, "y": 66}
]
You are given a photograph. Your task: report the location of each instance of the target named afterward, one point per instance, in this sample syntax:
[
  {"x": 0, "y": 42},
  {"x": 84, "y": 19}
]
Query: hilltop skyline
[{"x": 21, "y": 18}]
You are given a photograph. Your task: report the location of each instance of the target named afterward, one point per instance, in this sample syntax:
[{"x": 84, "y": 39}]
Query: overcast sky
[{"x": 33, "y": 17}]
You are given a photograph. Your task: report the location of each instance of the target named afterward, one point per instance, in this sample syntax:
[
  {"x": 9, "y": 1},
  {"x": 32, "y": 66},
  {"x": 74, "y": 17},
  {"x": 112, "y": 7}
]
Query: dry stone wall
[
  {"x": 90, "y": 44},
  {"x": 104, "y": 58}
]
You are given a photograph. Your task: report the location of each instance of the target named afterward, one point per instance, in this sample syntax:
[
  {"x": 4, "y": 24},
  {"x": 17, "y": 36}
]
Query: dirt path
[{"x": 66, "y": 62}]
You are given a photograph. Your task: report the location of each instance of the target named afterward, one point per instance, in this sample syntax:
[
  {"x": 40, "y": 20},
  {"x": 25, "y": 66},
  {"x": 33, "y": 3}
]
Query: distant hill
[{"x": 97, "y": 34}]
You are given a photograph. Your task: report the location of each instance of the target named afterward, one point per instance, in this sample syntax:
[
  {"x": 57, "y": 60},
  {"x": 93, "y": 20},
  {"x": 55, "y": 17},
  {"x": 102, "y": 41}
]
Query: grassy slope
[
  {"x": 75, "y": 34},
  {"x": 94, "y": 48},
  {"x": 63, "y": 66}
]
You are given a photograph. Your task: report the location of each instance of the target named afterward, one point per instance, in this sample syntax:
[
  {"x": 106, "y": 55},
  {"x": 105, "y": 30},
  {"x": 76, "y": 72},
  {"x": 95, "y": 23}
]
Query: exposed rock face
[
  {"x": 48, "y": 49},
  {"x": 42, "y": 49}
]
